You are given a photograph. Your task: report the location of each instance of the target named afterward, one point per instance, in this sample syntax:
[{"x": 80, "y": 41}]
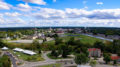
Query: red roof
[
  {"x": 115, "y": 57},
  {"x": 94, "y": 49}
]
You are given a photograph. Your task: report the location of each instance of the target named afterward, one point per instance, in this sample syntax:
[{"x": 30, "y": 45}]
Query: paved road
[
  {"x": 40, "y": 63},
  {"x": 11, "y": 58}
]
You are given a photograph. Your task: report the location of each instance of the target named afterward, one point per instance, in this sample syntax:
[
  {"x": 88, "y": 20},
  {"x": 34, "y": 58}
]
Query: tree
[
  {"x": 39, "y": 51},
  {"x": 93, "y": 63},
  {"x": 36, "y": 46},
  {"x": 64, "y": 50},
  {"x": 114, "y": 62},
  {"x": 81, "y": 59},
  {"x": 5, "y": 61},
  {"x": 116, "y": 46},
  {"x": 107, "y": 58},
  {"x": 71, "y": 41},
  {"x": 55, "y": 35},
  {"x": 58, "y": 41},
  {"x": 99, "y": 45},
  {"x": 1, "y": 43}
]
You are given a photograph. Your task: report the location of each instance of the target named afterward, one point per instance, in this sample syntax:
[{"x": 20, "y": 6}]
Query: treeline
[
  {"x": 17, "y": 33},
  {"x": 105, "y": 31}
]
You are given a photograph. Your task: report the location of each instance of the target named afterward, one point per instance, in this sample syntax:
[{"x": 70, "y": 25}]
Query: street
[{"x": 11, "y": 58}]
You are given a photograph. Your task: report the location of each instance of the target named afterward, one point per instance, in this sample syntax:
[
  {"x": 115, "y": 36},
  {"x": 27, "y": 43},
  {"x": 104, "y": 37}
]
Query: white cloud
[
  {"x": 15, "y": 14},
  {"x": 4, "y": 6},
  {"x": 24, "y": 6},
  {"x": 39, "y": 2},
  {"x": 99, "y": 3},
  {"x": 48, "y": 13},
  {"x": 67, "y": 17}
]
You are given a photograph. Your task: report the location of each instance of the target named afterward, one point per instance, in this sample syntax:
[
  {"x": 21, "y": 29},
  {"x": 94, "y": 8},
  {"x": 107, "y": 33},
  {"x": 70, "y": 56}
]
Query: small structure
[
  {"x": 24, "y": 51},
  {"x": 29, "y": 52},
  {"x": 4, "y": 48},
  {"x": 18, "y": 49},
  {"x": 94, "y": 52}
]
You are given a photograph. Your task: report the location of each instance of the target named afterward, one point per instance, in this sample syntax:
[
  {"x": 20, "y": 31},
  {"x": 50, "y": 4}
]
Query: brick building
[{"x": 94, "y": 52}]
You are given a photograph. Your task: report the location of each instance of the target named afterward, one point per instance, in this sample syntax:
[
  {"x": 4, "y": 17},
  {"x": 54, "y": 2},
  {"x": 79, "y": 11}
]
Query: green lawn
[
  {"x": 52, "y": 57},
  {"x": 87, "y": 39},
  {"x": 26, "y": 57},
  {"x": 51, "y": 65},
  {"x": 49, "y": 42},
  {"x": 84, "y": 39}
]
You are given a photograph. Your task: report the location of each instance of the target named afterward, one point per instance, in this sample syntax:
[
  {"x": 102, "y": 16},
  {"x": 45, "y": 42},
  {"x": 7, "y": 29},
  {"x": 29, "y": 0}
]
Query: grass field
[
  {"x": 84, "y": 39},
  {"x": 51, "y": 65}
]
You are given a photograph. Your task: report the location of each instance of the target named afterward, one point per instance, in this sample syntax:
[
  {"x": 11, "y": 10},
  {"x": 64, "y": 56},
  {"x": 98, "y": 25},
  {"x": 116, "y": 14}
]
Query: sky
[{"x": 48, "y": 13}]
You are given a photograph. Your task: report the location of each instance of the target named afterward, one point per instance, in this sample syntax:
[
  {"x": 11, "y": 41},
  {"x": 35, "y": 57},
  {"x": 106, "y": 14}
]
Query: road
[
  {"x": 40, "y": 63},
  {"x": 34, "y": 64},
  {"x": 13, "y": 60}
]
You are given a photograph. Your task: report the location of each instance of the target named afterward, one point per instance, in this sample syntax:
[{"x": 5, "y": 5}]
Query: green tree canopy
[
  {"x": 107, "y": 57},
  {"x": 81, "y": 59}
]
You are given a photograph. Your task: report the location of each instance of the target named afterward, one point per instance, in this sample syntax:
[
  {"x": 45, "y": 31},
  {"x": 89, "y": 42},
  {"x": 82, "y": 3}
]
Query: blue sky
[{"x": 29, "y": 13}]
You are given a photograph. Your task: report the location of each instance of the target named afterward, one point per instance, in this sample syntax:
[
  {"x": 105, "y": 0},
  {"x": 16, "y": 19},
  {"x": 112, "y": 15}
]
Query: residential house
[{"x": 94, "y": 52}]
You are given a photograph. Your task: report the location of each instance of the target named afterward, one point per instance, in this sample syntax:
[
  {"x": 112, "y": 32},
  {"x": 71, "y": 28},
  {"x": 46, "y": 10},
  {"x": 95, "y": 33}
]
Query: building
[
  {"x": 94, "y": 52},
  {"x": 115, "y": 57},
  {"x": 4, "y": 48},
  {"x": 28, "y": 52},
  {"x": 60, "y": 32}
]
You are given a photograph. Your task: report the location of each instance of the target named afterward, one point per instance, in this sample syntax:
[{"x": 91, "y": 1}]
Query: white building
[
  {"x": 29, "y": 52},
  {"x": 24, "y": 51},
  {"x": 4, "y": 48},
  {"x": 18, "y": 49}
]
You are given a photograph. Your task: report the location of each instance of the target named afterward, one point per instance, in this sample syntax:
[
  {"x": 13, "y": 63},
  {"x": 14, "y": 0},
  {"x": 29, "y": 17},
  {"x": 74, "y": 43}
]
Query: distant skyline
[{"x": 53, "y": 13}]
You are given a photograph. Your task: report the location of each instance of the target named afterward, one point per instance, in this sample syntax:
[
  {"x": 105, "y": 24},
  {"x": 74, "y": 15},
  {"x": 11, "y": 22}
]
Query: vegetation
[
  {"x": 5, "y": 61},
  {"x": 84, "y": 39},
  {"x": 93, "y": 63},
  {"x": 26, "y": 57},
  {"x": 81, "y": 59},
  {"x": 107, "y": 58},
  {"x": 61, "y": 47},
  {"x": 105, "y": 31}
]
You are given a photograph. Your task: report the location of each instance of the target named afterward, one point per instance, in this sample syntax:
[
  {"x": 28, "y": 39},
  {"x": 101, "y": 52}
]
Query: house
[
  {"x": 94, "y": 52},
  {"x": 115, "y": 57}
]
